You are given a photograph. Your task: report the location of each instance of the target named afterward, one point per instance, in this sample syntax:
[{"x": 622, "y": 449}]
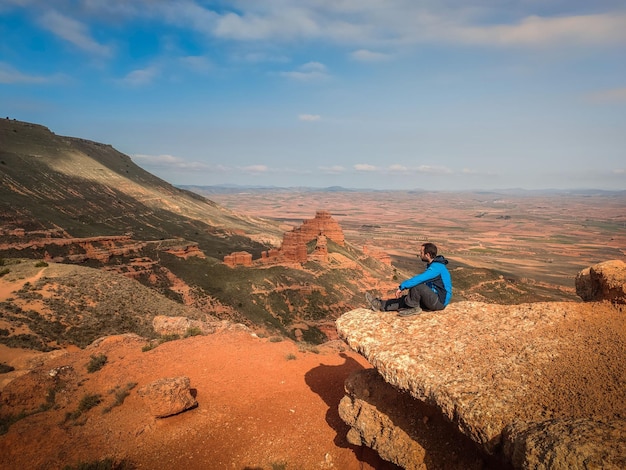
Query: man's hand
[{"x": 398, "y": 293}]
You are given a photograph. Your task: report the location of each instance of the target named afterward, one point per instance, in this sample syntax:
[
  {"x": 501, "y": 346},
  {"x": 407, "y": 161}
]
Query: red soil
[{"x": 261, "y": 404}]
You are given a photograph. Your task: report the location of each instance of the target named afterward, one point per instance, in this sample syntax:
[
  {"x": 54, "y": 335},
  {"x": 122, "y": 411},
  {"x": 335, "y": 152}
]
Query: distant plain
[{"x": 544, "y": 237}]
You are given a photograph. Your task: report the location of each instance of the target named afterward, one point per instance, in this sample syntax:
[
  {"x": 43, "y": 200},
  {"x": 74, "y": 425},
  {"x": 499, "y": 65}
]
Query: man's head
[{"x": 428, "y": 252}]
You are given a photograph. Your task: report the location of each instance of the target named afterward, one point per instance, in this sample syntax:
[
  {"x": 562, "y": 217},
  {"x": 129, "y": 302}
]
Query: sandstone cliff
[{"x": 540, "y": 385}]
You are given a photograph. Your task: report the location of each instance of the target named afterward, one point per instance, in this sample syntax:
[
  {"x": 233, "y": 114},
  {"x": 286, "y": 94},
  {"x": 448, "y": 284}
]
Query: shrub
[
  {"x": 149, "y": 346},
  {"x": 96, "y": 363},
  {"x": 88, "y": 402},
  {"x": 41, "y": 264},
  {"x": 4, "y": 368},
  {"x": 120, "y": 396},
  {"x": 276, "y": 339},
  {"x": 4, "y": 271},
  {"x": 8, "y": 420},
  {"x": 192, "y": 331},
  {"x": 308, "y": 347},
  {"x": 169, "y": 337},
  {"x": 290, "y": 356}
]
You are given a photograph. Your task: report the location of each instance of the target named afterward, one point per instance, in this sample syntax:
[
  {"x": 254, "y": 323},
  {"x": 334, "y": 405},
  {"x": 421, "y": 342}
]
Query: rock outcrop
[
  {"x": 238, "y": 258},
  {"x": 294, "y": 245},
  {"x": 537, "y": 385},
  {"x": 603, "y": 281},
  {"x": 182, "y": 326}
]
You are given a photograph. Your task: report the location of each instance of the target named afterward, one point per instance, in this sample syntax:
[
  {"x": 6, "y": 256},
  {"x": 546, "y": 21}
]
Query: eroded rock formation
[
  {"x": 294, "y": 245},
  {"x": 102, "y": 248},
  {"x": 238, "y": 258},
  {"x": 539, "y": 385}
]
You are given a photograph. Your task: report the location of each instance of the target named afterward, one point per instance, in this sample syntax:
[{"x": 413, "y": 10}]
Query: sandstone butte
[
  {"x": 536, "y": 386},
  {"x": 293, "y": 248}
]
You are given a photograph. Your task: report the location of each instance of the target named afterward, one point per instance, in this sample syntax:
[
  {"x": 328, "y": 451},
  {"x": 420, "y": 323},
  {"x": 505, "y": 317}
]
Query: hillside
[{"x": 71, "y": 200}]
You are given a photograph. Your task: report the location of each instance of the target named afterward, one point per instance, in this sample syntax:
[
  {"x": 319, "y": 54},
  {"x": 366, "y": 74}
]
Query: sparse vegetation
[
  {"x": 192, "y": 331},
  {"x": 7, "y": 421},
  {"x": 96, "y": 363},
  {"x": 120, "y": 396},
  {"x": 41, "y": 264},
  {"x": 86, "y": 403},
  {"x": 275, "y": 339},
  {"x": 290, "y": 357},
  {"x": 4, "y": 271},
  {"x": 168, "y": 337},
  {"x": 308, "y": 347},
  {"x": 4, "y": 368},
  {"x": 149, "y": 346}
]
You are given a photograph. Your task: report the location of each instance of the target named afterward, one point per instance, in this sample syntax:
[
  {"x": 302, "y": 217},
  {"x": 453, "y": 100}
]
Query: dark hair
[{"x": 430, "y": 249}]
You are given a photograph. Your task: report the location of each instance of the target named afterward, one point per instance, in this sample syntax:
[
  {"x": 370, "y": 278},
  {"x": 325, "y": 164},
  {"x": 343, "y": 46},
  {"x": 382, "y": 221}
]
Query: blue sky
[{"x": 395, "y": 94}]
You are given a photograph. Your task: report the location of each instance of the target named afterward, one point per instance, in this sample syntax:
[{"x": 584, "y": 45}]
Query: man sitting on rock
[{"x": 430, "y": 290}]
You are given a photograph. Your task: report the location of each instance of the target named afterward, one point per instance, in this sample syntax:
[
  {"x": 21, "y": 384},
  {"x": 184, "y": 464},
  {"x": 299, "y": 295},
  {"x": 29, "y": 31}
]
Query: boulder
[
  {"x": 603, "y": 281},
  {"x": 168, "y": 396}
]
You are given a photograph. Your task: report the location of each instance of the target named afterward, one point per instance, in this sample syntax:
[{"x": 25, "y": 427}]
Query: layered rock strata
[{"x": 517, "y": 380}]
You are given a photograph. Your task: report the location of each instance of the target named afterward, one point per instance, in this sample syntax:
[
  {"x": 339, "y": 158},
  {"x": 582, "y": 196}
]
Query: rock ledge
[{"x": 516, "y": 380}]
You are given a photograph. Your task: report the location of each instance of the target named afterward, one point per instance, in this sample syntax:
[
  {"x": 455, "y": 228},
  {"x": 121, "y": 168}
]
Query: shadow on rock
[{"x": 328, "y": 382}]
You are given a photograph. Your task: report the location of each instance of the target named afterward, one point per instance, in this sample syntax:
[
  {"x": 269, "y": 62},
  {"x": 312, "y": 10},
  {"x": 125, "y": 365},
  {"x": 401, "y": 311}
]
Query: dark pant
[{"x": 419, "y": 296}]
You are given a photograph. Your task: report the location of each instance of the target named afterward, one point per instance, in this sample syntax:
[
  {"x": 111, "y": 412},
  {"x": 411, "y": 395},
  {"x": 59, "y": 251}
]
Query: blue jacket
[{"x": 436, "y": 276}]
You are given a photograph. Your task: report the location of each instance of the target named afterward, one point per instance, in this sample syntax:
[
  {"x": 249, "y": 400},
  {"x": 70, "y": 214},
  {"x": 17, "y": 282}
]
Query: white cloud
[
  {"x": 313, "y": 67},
  {"x": 256, "y": 168},
  {"x": 334, "y": 170},
  {"x": 619, "y": 171},
  {"x": 168, "y": 161},
  {"x": 616, "y": 95},
  {"x": 365, "y": 55},
  {"x": 74, "y": 32},
  {"x": 540, "y": 31},
  {"x": 309, "y": 117},
  {"x": 197, "y": 63},
  {"x": 266, "y": 22},
  {"x": 140, "y": 77},
  {"x": 432, "y": 169},
  {"x": 398, "y": 168},
  {"x": 9, "y": 75},
  {"x": 402, "y": 22},
  {"x": 260, "y": 57},
  {"x": 311, "y": 71},
  {"x": 364, "y": 167}
]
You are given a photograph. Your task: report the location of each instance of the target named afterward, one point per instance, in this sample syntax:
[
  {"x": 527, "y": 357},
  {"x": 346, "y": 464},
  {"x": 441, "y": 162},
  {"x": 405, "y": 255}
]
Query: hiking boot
[
  {"x": 375, "y": 304},
  {"x": 409, "y": 312}
]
